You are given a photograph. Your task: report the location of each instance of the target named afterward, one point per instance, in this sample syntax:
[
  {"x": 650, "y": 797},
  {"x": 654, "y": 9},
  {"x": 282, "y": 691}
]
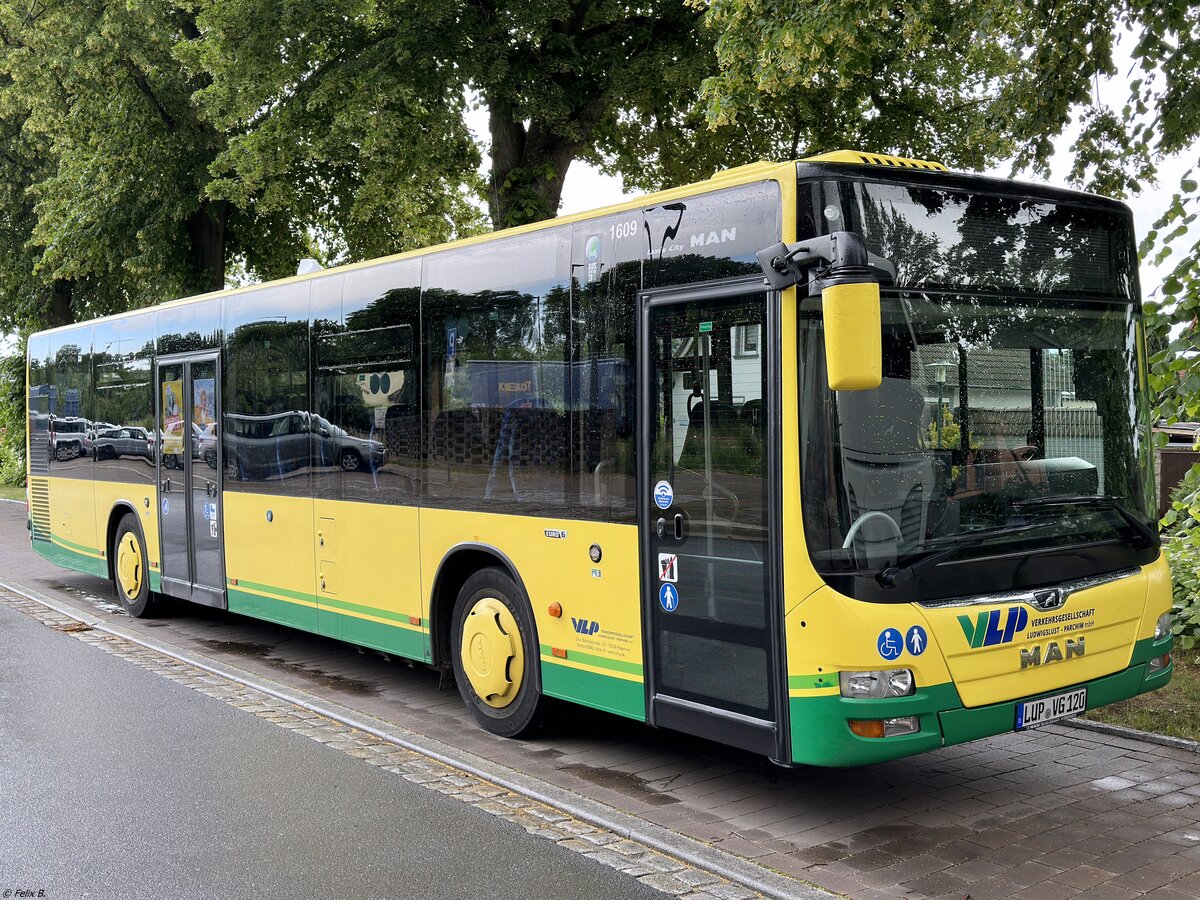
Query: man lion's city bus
[{"x": 834, "y": 461}]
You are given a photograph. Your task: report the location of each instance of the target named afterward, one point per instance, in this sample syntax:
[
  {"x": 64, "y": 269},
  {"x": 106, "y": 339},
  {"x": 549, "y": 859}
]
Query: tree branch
[{"x": 143, "y": 85}]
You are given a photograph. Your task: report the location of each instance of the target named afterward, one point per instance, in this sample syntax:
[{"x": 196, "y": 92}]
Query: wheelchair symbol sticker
[
  {"x": 890, "y": 644},
  {"x": 668, "y": 597}
]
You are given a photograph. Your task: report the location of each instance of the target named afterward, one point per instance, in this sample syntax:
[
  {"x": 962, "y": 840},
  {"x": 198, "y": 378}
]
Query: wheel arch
[{"x": 458, "y": 564}]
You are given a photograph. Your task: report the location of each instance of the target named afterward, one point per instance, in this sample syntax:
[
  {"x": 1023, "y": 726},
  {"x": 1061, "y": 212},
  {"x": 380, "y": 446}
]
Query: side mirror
[
  {"x": 848, "y": 276},
  {"x": 853, "y": 336}
]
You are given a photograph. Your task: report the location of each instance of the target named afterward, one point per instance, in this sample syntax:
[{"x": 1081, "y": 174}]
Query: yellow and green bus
[{"x": 835, "y": 461}]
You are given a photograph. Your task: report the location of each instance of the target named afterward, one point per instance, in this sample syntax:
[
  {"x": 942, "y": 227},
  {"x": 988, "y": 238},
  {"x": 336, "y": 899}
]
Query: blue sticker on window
[
  {"x": 890, "y": 644},
  {"x": 166, "y": 506},
  {"x": 916, "y": 640},
  {"x": 668, "y": 597}
]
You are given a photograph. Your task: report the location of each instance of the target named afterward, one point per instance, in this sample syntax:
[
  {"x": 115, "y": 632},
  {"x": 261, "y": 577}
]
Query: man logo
[
  {"x": 1047, "y": 600},
  {"x": 1054, "y": 653},
  {"x": 583, "y": 626},
  {"x": 985, "y": 631}
]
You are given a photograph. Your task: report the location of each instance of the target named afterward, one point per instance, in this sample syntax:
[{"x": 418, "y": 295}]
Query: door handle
[
  {"x": 165, "y": 487},
  {"x": 210, "y": 489},
  {"x": 679, "y": 526}
]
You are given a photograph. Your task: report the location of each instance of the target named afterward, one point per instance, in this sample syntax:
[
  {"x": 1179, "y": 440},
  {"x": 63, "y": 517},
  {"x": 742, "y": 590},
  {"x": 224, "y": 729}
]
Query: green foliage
[
  {"x": 361, "y": 102},
  {"x": 12, "y": 420},
  {"x": 916, "y": 79},
  {"x": 341, "y": 116},
  {"x": 1183, "y": 553},
  {"x": 951, "y": 433},
  {"x": 1181, "y": 527}
]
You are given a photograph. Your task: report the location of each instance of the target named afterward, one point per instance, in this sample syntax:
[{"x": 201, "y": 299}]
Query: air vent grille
[
  {"x": 877, "y": 159},
  {"x": 39, "y": 508}
]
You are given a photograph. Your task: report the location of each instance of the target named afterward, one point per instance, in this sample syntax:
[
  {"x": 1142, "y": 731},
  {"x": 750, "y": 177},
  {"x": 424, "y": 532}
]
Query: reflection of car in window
[
  {"x": 259, "y": 447},
  {"x": 68, "y": 437},
  {"x": 208, "y": 444},
  {"x": 172, "y": 444},
  {"x": 113, "y": 443}
]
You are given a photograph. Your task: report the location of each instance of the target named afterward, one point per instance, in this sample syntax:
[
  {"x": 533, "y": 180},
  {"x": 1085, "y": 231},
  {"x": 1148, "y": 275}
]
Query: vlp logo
[
  {"x": 986, "y": 630},
  {"x": 584, "y": 626}
]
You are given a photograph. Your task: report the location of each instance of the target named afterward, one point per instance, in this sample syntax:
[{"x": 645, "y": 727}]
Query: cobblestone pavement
[
  {"x": 1057, "y": 812},
  {"x": 656, "y": 870}
]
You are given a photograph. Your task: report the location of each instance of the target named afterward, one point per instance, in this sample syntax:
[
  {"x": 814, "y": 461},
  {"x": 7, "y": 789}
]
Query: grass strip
[{"x": 1173, "y": 710}]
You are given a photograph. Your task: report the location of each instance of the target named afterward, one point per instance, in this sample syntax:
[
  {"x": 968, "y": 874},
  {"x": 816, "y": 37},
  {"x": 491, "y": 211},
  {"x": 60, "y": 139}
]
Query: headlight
[
  {"x": 877, "y": 685},
  {"x": 1163, "y": 626}
]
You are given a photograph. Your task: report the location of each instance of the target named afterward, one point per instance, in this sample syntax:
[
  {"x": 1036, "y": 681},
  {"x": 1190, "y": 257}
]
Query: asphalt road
[
  {"x": 115, "y": 782},
  {"x": 1053, "y": 812}
]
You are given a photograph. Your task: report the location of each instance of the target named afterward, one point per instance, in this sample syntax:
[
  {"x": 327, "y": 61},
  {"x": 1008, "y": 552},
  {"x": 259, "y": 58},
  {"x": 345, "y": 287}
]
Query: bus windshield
[
  {"x": 1010, "y": 432},
  {"x": 944, "y": 238}
]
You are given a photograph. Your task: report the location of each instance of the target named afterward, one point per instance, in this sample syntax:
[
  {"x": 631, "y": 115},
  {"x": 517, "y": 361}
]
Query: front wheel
[
  {"x": 495, "y": 652},
  {"x": 131, "y": 568},
  {"x": 349, "y": 461}
]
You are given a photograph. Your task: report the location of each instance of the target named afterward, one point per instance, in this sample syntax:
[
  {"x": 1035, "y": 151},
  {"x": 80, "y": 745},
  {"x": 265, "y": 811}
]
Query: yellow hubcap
[
  {"x": 491, "y": 652},
  {"x": 129, "y": 566}
]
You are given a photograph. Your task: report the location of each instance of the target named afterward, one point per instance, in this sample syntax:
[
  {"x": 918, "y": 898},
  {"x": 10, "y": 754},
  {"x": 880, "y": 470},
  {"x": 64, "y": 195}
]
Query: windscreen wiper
[
  {"x": 1095, "y": 501},
  {"x": 897, "y": 574}
]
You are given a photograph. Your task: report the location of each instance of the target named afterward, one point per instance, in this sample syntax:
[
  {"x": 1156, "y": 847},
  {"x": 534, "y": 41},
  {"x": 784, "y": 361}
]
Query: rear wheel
[
  {"x": 496, "y": 654},
  {"x": 131, "y": 568}
]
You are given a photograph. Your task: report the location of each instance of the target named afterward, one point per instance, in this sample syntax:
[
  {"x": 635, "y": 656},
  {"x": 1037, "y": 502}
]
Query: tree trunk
[
  {"x": 206, "y": 232},
  {"x": 529, "y": 167},
  {"x": 60, "y": 311}
]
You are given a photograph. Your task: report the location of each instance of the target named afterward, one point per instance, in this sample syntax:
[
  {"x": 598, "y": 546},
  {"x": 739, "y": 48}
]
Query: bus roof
[{"x": 760, "y": 171}]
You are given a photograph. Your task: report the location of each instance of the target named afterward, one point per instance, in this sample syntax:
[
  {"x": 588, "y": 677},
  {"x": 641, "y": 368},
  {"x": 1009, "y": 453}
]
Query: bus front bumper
[{"x": 821, "y": 733}]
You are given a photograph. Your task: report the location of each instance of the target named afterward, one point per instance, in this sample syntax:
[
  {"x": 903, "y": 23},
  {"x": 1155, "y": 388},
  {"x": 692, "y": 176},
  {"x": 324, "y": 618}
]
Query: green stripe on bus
[
  {"x": 272, "y": 609},
  {"x": 277, "y": 591},
  {"x": 329, "y": 602},
  {"x": 376, "y": 635},
  {"x": 71, "y": 559},
  {"x": 78, "y": 548},
  {"x": 600, "y": 662},
  {"x": 614, "y": 695},
  {"x": 810, "y": 682},
  {"x": 389, "y": 638}
]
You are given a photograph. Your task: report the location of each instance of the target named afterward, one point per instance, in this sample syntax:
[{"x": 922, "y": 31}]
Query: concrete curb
[
  {"x": 696, "y": 853},
  {"x": 1133, "y": 734}
]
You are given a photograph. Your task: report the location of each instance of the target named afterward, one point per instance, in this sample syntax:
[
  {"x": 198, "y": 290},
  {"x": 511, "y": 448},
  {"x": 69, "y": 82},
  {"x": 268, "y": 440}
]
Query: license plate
[{"x": 1061, "y": 706}]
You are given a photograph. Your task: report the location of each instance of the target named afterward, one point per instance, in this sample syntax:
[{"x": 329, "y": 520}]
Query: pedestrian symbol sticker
[
  {"x": 668, "y": 567},
  {"x": 890, "y": 644},
  {"x": 668, "y": 597},
  {"x": 166, "y": 506},
  {"x": 663, "y": 495},
  {"x": 916, "y": 640}
]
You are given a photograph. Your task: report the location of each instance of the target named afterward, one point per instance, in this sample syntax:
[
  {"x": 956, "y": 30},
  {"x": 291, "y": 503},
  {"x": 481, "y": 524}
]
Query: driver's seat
[{"x": 885, "y": 468}]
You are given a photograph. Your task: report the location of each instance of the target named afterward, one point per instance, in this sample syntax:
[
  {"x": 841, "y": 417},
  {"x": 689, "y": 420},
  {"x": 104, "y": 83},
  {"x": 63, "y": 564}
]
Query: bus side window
[
  {"x": 606, "y": 268},
  {"x": 266, "y": 392},
  {"x": 496, "y": 320}
]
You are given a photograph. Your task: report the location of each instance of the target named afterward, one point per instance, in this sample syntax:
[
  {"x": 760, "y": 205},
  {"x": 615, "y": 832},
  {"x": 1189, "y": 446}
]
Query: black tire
[
  {"x": 142, "y": 602},
  {"x": 522, "y": 713},
  {"x": 350, "y": 461}
]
